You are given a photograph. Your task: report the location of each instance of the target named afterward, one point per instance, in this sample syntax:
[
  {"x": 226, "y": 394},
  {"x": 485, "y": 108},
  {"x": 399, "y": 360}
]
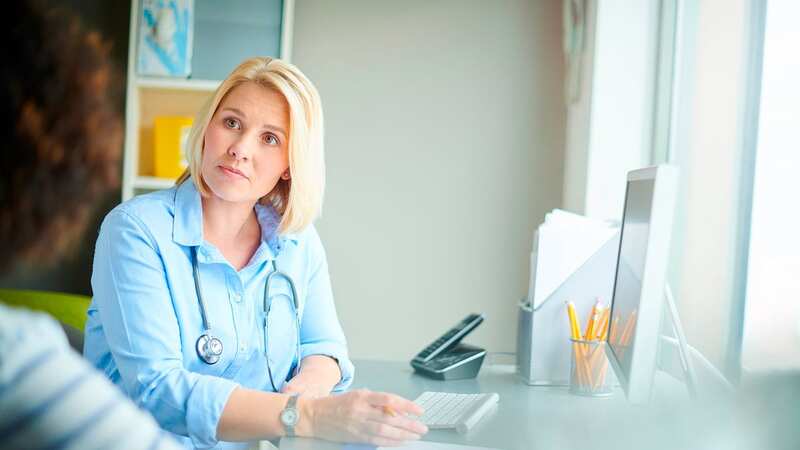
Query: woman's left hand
[
  {"x": 318, "y": 375},
  {"x": 301, "y": 387}
]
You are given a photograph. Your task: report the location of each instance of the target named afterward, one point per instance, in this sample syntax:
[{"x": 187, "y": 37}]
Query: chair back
[{"x": 68, "y": 309}]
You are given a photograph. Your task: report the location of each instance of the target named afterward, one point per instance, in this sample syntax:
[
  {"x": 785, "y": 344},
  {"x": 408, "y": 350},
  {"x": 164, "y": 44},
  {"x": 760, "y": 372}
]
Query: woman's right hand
[{"x": 362, "y": 416}]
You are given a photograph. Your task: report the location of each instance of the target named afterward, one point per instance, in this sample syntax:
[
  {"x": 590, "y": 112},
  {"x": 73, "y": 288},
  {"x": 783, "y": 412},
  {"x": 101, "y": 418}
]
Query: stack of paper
[{"x": 561, "y": 245}]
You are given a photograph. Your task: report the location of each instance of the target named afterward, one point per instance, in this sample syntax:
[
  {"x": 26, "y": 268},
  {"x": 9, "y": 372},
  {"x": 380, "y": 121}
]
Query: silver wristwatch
[{"x": 290, "y": 415}]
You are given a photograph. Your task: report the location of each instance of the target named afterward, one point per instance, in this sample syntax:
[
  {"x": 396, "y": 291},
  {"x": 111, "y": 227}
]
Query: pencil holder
[{"x": 589, "y": 369}]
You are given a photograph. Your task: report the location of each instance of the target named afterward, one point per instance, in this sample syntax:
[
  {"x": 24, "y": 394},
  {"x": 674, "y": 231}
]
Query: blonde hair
[{"x": 299, "y": 199}]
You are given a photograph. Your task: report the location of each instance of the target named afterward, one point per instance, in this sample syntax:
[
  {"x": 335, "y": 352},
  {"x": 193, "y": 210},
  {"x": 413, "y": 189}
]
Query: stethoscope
[{"x": 210, "y": 348}]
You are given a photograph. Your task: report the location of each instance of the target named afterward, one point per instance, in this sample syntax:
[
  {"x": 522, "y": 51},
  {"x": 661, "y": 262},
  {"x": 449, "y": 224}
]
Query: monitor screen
[{"x": 630, "y": 270}]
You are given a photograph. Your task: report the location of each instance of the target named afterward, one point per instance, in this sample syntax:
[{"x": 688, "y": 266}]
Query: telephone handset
[{"x": 447, "y": 358}]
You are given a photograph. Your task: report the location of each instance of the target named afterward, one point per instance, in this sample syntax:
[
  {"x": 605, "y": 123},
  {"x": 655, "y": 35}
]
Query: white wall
[
  {"x": 576, "y": 151},
  {"x": 610, "y": 126},
  {"x": 622, "y": 102},
  {"x": 444, "y": 137}
]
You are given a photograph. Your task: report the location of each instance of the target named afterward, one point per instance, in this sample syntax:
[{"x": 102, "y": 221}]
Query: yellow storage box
[{"x": 170, "y": 134}]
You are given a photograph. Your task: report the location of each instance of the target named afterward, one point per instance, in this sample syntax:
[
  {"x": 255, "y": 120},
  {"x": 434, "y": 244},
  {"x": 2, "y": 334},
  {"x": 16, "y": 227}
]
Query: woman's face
[{"x": 246, "y": 144}]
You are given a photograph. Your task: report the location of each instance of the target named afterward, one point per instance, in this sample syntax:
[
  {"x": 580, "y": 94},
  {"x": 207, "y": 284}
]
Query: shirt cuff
[
  {"x": 204, "y": 409},
  {"x": 335, "y": 352}
]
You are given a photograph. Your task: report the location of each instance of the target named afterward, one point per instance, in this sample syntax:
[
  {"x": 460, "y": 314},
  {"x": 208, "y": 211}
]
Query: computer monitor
[{"x": 638, "y": 296}]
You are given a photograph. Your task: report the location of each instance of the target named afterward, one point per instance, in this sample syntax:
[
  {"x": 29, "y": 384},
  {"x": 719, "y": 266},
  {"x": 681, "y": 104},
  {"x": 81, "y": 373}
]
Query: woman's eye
[
  {"x": 270, "y": 139},
  {"x": 232, "y": 123}
]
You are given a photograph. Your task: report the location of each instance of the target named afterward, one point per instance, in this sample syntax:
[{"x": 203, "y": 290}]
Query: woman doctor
[{"x": 212, "y": 303}]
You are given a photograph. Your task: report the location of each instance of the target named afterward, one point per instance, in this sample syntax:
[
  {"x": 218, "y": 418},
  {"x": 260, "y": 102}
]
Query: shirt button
[{"x": 236, "y": 297}]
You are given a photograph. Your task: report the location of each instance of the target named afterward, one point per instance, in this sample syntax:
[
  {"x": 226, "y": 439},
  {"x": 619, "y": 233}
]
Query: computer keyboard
[{"x": 459, "y": 411}]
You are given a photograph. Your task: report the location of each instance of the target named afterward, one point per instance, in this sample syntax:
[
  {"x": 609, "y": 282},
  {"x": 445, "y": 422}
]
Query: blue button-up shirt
[{"x": 145, "y": 319}]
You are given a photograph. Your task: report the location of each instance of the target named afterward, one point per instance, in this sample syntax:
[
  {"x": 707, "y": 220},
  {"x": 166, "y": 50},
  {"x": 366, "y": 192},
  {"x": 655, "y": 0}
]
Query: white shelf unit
[
  {"x": 152, "y": 183},
  {"x": 177, "y": 83},
  {"x": 149, "y": 96}
]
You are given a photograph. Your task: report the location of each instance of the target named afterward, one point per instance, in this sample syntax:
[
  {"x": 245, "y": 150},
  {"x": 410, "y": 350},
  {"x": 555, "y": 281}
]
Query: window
[
  {"x": 772, "y": 313},
  {"x": 715, "y": 73}
]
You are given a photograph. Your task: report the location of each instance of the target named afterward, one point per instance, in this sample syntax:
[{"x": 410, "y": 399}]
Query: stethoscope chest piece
[{"x": 209, "y": 348}]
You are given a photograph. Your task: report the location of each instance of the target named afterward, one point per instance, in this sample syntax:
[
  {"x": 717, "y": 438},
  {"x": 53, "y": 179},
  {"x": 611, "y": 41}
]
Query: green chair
[{"x": 68, "y": 309}]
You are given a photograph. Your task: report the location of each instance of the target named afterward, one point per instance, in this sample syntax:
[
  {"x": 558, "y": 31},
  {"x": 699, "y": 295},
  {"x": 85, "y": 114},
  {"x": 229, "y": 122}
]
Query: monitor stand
[{"x": 677, "y": 358}]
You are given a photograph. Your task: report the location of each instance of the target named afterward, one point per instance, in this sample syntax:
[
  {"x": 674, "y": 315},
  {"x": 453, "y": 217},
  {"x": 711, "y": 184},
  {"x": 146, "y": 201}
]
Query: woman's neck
[{"x": 226, "y": 223}]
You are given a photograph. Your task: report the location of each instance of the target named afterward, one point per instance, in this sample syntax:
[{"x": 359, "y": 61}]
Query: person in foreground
[
  {"x": 61, "y": 143},
  {"x": 212, "y": 304}
]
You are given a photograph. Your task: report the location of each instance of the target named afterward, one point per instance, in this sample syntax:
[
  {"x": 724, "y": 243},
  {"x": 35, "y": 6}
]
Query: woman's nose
[{"x": 239, "y": 149}]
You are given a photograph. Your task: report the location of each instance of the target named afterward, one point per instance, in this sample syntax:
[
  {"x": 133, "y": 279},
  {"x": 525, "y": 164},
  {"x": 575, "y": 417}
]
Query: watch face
[{"x": 289, "y": 416}]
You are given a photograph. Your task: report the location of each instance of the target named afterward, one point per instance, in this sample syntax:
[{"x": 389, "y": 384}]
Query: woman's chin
[{"x": 230, "y": 194}]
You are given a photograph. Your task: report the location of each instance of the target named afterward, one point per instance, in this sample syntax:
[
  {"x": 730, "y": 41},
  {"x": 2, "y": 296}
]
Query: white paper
[{"x": 562, "y": 244}]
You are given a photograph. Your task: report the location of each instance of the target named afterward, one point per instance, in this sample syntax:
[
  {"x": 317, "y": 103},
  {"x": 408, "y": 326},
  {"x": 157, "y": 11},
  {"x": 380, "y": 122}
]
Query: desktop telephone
[{"x": 447, "y": 358}]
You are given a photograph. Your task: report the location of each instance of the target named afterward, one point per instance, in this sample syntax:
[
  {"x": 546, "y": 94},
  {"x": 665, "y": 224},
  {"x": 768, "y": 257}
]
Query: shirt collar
[
  {"x": 187, "y": 228},
  {"x": 269, "y": 219}
]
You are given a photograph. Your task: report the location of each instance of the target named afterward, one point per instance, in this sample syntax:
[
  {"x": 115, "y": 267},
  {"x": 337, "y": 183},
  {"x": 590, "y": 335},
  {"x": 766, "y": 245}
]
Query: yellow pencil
[
  {"x": 603, "y": 328},
  {"x": 573, "y": 321},
  {"x": 596, "y": 333},
  {"x": 575, "y": 327},
  {"x": 584, "y": 375},
  {"x": 389, "y": 411},
  {"x": 590, "y": 324},
  {"x": 601, "y": 375},
  {"x": 595, "y": 326}
]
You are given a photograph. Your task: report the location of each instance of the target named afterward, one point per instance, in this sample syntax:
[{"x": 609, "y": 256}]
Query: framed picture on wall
[{"x": 166, "y": 29}]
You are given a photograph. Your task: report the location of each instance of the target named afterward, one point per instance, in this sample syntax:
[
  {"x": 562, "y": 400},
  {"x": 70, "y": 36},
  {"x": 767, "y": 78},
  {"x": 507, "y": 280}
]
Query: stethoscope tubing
[
  {"x": 278, "y": 274},
  {"x": 199, "y": 291},
  {"x": 210, "y": 348}
]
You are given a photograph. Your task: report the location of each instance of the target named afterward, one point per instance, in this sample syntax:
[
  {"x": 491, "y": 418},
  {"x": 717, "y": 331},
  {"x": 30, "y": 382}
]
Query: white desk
[{"x": 535, "y": 417}]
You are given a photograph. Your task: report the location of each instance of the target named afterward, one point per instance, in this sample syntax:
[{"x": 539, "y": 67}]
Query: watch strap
[{"x": 290, "y": 405}]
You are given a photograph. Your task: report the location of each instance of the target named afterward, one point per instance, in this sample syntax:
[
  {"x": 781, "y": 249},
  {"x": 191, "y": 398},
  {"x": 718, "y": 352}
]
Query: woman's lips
[{"x": 232, "y": 172}]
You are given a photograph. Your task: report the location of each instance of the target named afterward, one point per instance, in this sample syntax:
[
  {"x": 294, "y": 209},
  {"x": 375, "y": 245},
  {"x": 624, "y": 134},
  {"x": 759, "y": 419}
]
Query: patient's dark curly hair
[{"x": 61, "y": 134}]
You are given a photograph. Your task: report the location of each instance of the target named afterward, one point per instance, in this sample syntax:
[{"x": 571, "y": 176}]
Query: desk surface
[
  {"x": 538, "y": 417},
  {"x": 526, "y": 417}
]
